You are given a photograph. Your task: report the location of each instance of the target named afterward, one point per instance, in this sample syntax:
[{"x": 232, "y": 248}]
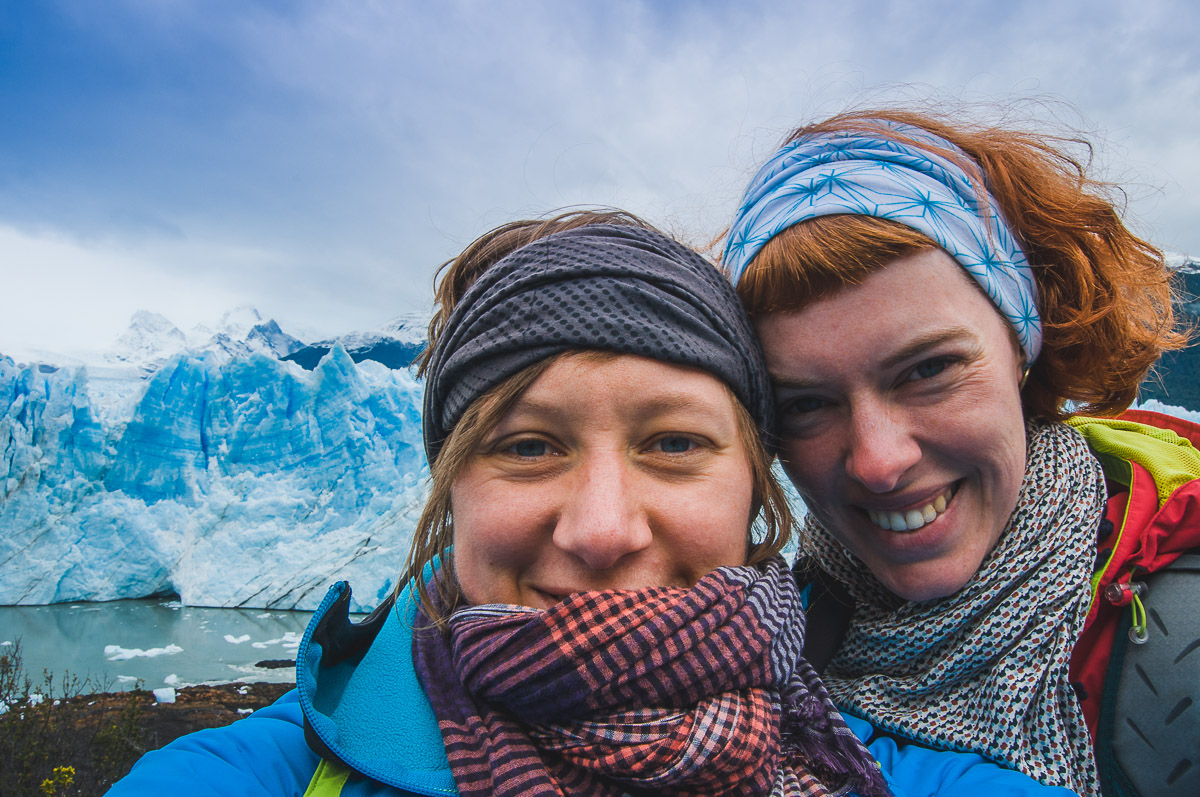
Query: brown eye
[{"x": 803, "y": 405}]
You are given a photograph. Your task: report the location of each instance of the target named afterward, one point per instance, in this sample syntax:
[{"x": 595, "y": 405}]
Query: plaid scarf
[
  {"x": 661, "y": 690},
  {"x": 985, "y": 669}
]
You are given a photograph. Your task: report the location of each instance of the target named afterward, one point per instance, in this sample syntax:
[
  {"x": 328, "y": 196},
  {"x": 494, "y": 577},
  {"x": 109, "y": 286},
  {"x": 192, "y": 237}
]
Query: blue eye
[
  {"x": 676, "y": 445},
  {"x": 930, "y": 368},
  {"x": 529, "y": 448}
]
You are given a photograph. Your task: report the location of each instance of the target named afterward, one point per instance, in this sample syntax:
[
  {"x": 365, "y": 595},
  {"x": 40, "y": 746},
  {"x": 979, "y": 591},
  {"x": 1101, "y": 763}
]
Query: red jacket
[{"x": 1152, "y": 465}]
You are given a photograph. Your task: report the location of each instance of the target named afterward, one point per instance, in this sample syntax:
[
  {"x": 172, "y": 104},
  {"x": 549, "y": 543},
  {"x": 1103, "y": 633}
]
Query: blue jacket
[{"x": 359, "y": 702}]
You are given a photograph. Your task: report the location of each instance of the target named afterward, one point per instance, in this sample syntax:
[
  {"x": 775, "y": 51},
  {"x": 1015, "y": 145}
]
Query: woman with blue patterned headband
[{"x": 950, "y": 315}]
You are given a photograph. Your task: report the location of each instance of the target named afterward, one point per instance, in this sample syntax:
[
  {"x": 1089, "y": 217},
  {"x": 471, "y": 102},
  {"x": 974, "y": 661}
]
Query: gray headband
[{"x": 607, "y": 287}]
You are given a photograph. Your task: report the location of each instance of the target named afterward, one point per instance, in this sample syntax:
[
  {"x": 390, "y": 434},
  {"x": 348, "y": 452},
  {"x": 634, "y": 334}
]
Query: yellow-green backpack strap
[{"x": 328, "y": 780}]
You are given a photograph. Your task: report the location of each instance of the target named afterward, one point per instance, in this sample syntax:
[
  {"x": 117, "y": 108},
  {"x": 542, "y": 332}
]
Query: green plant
[
  {"x": 121, "y": 741},
  {"x": 63, "y": 778},
  {"x": 47, "y": 750}
]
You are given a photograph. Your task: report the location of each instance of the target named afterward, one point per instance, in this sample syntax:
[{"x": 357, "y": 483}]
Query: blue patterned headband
[{"x": 869, "y": 174}]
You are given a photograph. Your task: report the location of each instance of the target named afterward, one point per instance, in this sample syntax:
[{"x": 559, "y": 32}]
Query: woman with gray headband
[
  {"x": 589, "y": 606},
  {"x": 951, "y": 314}
]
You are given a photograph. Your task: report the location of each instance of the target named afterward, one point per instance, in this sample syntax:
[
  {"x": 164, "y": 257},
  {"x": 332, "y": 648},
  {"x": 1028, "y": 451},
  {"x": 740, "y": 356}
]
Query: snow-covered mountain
[
  {"x": 152, "y": 339},
  {"x": 215, "y": 470}
]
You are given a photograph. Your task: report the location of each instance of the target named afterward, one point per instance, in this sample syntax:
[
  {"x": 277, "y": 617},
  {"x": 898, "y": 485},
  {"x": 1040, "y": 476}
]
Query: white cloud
[
  {"x": 64, "y": 295},
  {"x": 339, "y": 151}
]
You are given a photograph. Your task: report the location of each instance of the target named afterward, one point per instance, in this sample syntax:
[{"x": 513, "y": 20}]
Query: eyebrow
[
  {"x": 927, "y": 341},
  {"x": 913, "y": 348},
  {"x": 649, "y": 408}
]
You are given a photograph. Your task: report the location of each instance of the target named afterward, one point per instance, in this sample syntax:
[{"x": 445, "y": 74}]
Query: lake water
[{"x": 160, "y": 642}]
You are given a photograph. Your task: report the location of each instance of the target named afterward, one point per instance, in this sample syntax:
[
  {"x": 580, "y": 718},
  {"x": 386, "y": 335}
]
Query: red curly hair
[{"x": 1104, "y": 293}]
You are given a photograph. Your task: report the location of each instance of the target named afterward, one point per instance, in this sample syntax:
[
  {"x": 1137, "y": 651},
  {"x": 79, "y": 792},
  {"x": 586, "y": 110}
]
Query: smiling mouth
[{"x": 912, "y": 519}]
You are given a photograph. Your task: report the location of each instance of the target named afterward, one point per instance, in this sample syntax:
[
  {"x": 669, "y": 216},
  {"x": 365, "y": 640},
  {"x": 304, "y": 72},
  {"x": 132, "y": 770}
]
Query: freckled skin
[
  {"x": 612, "y": 474},
  {"x": 890, "y": 392}
]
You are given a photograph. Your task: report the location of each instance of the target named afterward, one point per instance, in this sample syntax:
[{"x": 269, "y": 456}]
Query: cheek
[
  {"x": 1010, "y": 472},
  {"x": 808, "y": 468},
  {"x": 730, "y": 505},
  {"x": 491, "y": 540}
]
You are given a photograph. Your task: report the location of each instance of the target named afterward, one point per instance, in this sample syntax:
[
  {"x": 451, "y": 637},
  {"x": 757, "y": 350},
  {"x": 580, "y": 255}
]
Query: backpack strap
[{"x": 1150, "y": 707}]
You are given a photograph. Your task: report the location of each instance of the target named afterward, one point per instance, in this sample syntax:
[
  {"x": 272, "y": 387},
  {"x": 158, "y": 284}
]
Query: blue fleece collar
[{"x": 361, "y": 697}]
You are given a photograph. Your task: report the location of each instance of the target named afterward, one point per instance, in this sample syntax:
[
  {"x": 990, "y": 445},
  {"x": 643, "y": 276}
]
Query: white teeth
[
  {"x": 914, "y": 518},
  {"x": 879, "y": 519}
]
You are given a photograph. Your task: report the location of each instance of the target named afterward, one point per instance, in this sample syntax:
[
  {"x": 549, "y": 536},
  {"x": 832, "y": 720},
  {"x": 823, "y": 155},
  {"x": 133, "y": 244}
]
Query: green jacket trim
[{"x": 328, "y": 780}]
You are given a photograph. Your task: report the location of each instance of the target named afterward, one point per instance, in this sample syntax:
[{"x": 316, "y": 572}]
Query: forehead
[
  {"x": 926, "y": 295},
  {"x": 587, "y": 380}
]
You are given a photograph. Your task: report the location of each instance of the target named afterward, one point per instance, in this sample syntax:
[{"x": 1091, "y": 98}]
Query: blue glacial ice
[{"x": 241, "y": 481}]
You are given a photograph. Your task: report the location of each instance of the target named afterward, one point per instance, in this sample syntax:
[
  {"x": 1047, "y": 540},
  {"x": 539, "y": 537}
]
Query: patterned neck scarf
[
  {"x": 985, "y": 670},
  {"x": 661, "y": 690}
]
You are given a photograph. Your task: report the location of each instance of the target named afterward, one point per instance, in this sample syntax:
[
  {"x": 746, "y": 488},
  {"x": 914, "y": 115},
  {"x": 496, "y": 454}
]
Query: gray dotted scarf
[
  {"x": 608, "y": 287},
  {"x": 985, "y": 670}
]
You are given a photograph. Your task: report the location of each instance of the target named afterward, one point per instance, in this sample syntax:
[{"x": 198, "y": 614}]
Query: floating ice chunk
[
  {"x": 118, "y": 653},
  {"x": 237, "y": 640},
  {"x": 164, "y": 695},
  {"x": 290, "y": 639},
  {"x": 171, "y": 680}
]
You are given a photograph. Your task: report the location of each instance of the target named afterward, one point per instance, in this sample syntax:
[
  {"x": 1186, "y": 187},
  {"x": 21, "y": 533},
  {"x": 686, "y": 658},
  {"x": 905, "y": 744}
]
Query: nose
[
  {"x": 881, "y": 449},
  {"x": 602, "y": 521}
]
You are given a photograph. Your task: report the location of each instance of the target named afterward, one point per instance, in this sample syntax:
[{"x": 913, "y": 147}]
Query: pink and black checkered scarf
[{"x": 662, "y": 690}]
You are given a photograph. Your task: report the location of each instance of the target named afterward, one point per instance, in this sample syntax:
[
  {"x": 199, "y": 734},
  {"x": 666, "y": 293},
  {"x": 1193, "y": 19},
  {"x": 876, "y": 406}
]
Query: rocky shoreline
[{"x": 98, "y": 737}]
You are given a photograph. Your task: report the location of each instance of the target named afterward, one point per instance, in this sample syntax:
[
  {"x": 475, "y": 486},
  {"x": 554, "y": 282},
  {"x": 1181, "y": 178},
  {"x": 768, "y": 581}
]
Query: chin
[{"x": 915, "y": 588}]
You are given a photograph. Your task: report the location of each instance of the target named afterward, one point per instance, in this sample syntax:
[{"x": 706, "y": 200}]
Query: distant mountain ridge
[
  {"x": 152, "y": 339},
  {"x": 1176, "y": 378},
  {"x": 396, "y": 344}
]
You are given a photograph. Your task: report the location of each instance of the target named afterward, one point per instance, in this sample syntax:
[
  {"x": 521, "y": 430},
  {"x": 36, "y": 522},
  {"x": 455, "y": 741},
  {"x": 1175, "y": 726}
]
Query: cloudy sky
[{"x": 318, "y": 160}]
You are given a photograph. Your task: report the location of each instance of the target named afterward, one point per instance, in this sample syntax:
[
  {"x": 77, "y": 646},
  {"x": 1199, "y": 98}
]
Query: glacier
[
  {"x": 227, "y": 476},
  {"x": 233, "y": 467}
]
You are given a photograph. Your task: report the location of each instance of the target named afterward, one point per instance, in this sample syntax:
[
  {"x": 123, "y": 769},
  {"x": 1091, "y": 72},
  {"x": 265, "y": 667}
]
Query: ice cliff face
[{"x": 231, "y": 480}]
